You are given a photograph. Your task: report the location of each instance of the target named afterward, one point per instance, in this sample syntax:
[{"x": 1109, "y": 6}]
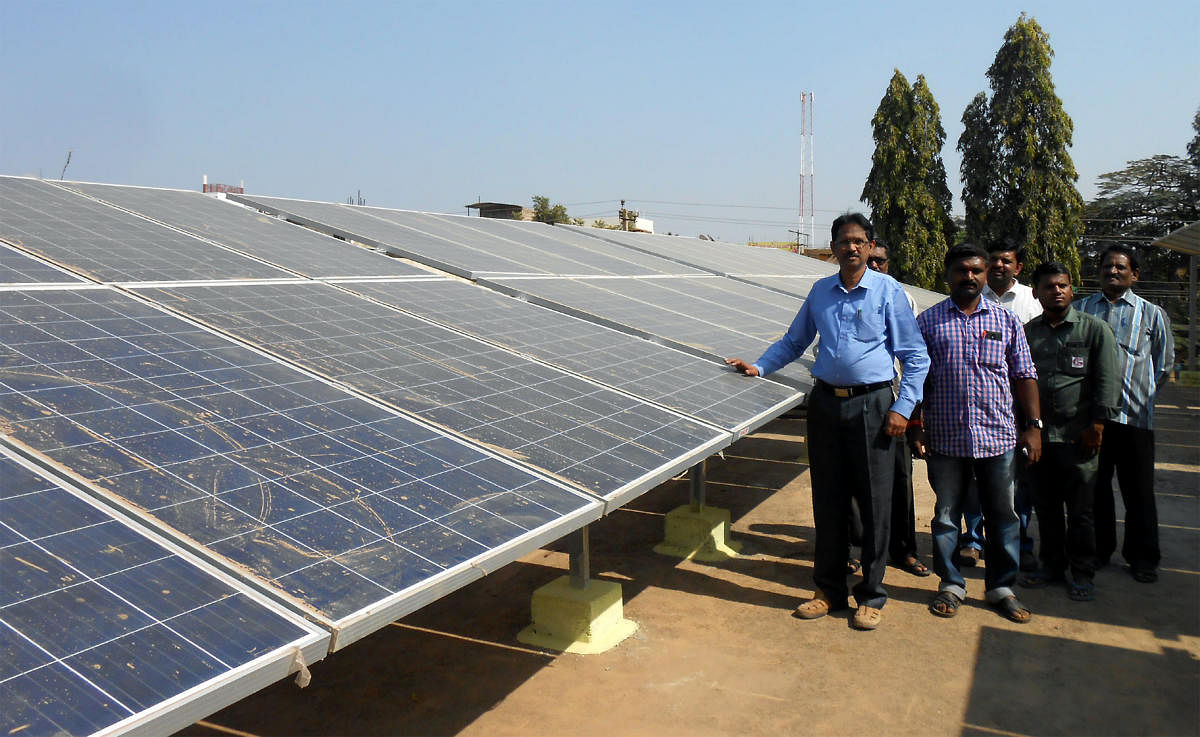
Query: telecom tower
[{"x": 806, "y": 170}]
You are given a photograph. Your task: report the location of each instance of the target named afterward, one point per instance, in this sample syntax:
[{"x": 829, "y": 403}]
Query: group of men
[{"x": 995, "y": 383}]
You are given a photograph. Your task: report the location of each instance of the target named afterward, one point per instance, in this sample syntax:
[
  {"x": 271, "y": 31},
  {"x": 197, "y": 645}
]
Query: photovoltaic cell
[
  {"x": 337, "y": 503},
  {"x": 21, "y": 268},
  {"x": 609, "y": 443},
  {"x": 107, "y": 244},
  {"x": 267, "y": 238},
  {"x": 682, "y": 312},
  {"x": 101, "y": 624},
  {"x": 705, "y": 389},
  {"x": 355, "y": 223}
]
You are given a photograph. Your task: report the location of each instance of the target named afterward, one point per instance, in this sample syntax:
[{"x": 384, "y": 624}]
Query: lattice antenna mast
[{"x": 807, "y": 208}]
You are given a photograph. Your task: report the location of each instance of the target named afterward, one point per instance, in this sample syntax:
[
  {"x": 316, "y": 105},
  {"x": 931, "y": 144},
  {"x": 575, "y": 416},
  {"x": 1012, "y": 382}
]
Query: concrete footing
[
  {"x": 698, "y": 534},
  {"x": 574, "y": 620}
]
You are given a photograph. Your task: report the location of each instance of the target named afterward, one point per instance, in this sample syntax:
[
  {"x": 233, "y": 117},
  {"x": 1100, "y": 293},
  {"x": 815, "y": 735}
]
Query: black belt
[{"x": 845, "y": 392}]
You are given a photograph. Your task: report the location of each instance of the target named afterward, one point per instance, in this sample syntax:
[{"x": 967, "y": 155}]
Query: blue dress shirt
[{"x": 862, "y": 330}]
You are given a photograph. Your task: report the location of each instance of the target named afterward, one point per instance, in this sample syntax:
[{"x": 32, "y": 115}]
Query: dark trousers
[
  {"x": 1130, "y": 451},
  {"x": 904, "y": 514},
  {"x": 1064, "y": 478},
  {"x": 850, "y": 457}
]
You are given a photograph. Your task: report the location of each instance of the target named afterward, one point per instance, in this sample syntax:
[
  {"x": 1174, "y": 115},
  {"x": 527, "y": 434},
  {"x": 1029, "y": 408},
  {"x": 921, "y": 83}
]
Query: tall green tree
[
  {"x": 906, "y": 188},
  {"x": 544, "y": 212},
  {"x": 977, "y": 146},
  {"x": 1031, "y": 199}
]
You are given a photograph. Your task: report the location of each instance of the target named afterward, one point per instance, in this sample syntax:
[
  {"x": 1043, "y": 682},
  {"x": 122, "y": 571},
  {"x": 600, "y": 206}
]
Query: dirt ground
[{"x": 717, "y": 651}]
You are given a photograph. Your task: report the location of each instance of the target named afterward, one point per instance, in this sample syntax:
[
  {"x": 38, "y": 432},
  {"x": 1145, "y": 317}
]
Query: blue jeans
[
  {"x": 950, "y": 477},
  {"x": 972, "y": 537}
]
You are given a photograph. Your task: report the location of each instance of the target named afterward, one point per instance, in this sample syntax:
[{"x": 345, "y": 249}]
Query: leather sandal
[
  {"x": 945, "y": 604},
  {"x": 814, "y": 608},
  {"x": 866, "y": 618}
]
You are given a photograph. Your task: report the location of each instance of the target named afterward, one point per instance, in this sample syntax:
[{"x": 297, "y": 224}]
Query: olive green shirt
[{"x": 1078, "y": 373}]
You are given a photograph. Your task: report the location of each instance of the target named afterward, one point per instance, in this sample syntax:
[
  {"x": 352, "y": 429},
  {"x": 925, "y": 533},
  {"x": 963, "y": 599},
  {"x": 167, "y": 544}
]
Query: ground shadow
[{"x": 1098, "y": 689}]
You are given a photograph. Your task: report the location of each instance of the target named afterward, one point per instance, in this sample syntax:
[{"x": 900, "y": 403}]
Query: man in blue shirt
[{"x": 864, "y": 323}]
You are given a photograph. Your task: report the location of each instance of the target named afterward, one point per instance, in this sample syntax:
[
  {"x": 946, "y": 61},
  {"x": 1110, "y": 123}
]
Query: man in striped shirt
[
  {"x": 978, "y": 356},
  {"x": 1146, "y": 351}
]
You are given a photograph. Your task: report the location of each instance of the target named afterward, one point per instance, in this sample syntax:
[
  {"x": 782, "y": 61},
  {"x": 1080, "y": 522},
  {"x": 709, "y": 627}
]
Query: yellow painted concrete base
[
  {"x": 701, "y": 534},
  {"x": 575, "y": 620}
]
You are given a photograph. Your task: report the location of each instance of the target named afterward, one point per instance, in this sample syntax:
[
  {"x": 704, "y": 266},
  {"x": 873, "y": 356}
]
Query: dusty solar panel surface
[
  {"x": 101, "y": 624},
  {"x": 537, "y": 246},
  {"x": 20, "y": 268},
  {"x": 603, "y": 441},
  {"x": 109, "y": 245},
  {"x": 666, "y": 314},
  {"x": 336, "y": 502},
  {"x": 283, "y": 244},
  {"x": 356, "y": 223},
  {"x": 728, "y": 259},
  {"x": 705, "y": 389}
]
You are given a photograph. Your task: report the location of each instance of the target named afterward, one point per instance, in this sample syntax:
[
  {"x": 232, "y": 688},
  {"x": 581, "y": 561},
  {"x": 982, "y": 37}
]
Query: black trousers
[
  {"x": 904, "y": 512},
  {"x": 1064, "y": 478},
  {"x": 850, "y": 457},
  {"x": 1130, "y": 451}
]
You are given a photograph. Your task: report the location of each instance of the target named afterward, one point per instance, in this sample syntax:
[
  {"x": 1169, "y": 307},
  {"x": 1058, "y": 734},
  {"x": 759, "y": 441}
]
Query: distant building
[
  {"x": 639, "y": 224},
  {"x": 501, "y": 211}
]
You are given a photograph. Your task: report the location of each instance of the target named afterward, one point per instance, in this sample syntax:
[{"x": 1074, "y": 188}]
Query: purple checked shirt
[{"x": 973, "y": 361}]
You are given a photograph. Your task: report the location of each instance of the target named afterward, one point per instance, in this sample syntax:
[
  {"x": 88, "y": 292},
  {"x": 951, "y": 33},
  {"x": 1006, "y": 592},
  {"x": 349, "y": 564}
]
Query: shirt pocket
[
  {"x": 992, "y": 350},
  {"x": 1073, "y": 359},
  {"x": 869, "y": 328}
]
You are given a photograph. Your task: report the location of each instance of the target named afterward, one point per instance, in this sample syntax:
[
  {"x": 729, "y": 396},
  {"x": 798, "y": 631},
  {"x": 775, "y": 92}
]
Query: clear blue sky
[{"x": 429, "y": 105}]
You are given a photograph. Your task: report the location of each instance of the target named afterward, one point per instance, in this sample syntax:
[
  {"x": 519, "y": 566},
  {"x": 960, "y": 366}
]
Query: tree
[
  {"x": 906, "y": 188},
  {"x": 543, "y": 212},
  {"x": 1027, "y": 196}
]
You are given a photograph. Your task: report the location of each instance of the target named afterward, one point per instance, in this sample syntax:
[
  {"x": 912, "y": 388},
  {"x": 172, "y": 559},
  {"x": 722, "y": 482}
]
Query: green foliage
[
  {"x": 1193, "y": 147},
  {"x": 1018, "y": 177},
  {"x": 906, "y": 189},
  {"x": 543, "y": 212},
  {"x": 604, "y": 226}
]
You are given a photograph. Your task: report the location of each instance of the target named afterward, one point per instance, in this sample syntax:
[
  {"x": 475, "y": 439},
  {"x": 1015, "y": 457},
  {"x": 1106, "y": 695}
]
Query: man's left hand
[
  {"x": 1031, "y": 440},
  {"x": 895, "y": 424},
  {"x": 1090, "y": 438}
]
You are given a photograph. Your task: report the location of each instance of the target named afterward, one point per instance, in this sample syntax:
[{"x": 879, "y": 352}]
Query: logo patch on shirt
[{"x": 1076, "y": 361}]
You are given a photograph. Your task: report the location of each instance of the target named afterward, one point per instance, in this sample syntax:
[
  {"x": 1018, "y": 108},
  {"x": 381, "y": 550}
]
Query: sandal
[
  {"x": 1081, "y": 591},
  {"x": 945, "y": 604},
  {"x": 914, "y": 566},
  {"x": 866, "y": 618},
  {"x": 1143, "y": 575},
  {"x": 1013, "y": 610},
  {"x": 1040, "y": 579},
  {"x": 853, "y": 565},
  {"x": 816, "y": 607}
]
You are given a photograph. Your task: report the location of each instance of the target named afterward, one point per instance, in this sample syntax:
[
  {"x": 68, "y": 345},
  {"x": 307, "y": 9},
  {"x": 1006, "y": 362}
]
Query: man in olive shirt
[{"x": 1080, "y": 387}]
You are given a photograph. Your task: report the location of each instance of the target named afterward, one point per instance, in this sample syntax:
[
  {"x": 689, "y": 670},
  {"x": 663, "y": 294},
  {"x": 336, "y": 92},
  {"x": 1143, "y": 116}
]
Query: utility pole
[
  {"x": 628, "y": 218},
  {"x": 797, "y": 248}
]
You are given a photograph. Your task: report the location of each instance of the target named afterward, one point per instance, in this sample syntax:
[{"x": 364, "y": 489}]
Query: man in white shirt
[{"x": 1005, "y": 263}]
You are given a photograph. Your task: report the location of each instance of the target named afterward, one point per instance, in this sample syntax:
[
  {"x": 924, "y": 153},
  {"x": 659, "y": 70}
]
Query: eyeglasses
[
  {"x": 876, "y": 261},
  {"x": 842, "y": 243}
]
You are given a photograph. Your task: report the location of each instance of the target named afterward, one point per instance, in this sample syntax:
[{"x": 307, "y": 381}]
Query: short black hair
[
  {"x": 881, "y": 243},
  {"x": 1049, "y": 268},
  {"x": 852, "y": 218},
  {"x": 963, "y": 251},
  {"x": 1008, "y": 244},
  {"x": 1125, "y": 251}
]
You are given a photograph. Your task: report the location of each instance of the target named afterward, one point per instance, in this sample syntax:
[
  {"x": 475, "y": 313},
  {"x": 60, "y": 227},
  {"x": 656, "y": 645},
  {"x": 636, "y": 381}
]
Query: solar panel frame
[
  {"x": 64, "y": 549},
  {"x": 220, "y": 429},
  {"x": 110, "y": 245},
  {"x": 243, "y": 229},
  {"x": 705, "y": 389},
  {"x": 546, "y": 418}
]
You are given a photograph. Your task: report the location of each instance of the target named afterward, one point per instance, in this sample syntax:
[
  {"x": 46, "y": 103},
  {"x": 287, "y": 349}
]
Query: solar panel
[
  {"x": 21, "y": 268},
  {"x": 666, "y": 310},
  {"x": 107, "y": 244},
  {"x": 267, "y": 238},
  {"x": 608, "y": 443},
  {"x": 357, "y": 224},
  {"x": 107, "y": 628},
  {"x": 727, "y": 259},
  {"x": 702, "y": 388},
  {"x": 353, "y": 513}
]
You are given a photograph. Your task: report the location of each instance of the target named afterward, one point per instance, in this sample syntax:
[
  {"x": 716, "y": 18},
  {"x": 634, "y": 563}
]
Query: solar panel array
[
  {"x": 101, "y": 624},
  {"x": 320, "y": 430}
]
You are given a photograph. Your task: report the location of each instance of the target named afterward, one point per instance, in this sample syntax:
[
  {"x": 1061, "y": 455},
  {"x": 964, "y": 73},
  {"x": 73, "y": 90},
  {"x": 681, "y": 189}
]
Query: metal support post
[
  {"x": 696, "y": 477},
  {"x": 579, "y": 550},
  {"x": 1193, "y": 267}
]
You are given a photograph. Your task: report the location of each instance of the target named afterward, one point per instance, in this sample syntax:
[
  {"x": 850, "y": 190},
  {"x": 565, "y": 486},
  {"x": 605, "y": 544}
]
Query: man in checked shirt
[{"x": 966, "y": 427}]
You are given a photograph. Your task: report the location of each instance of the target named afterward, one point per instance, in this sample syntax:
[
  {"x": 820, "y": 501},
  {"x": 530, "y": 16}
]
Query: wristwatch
[{"x": 1035, "y": 423}]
